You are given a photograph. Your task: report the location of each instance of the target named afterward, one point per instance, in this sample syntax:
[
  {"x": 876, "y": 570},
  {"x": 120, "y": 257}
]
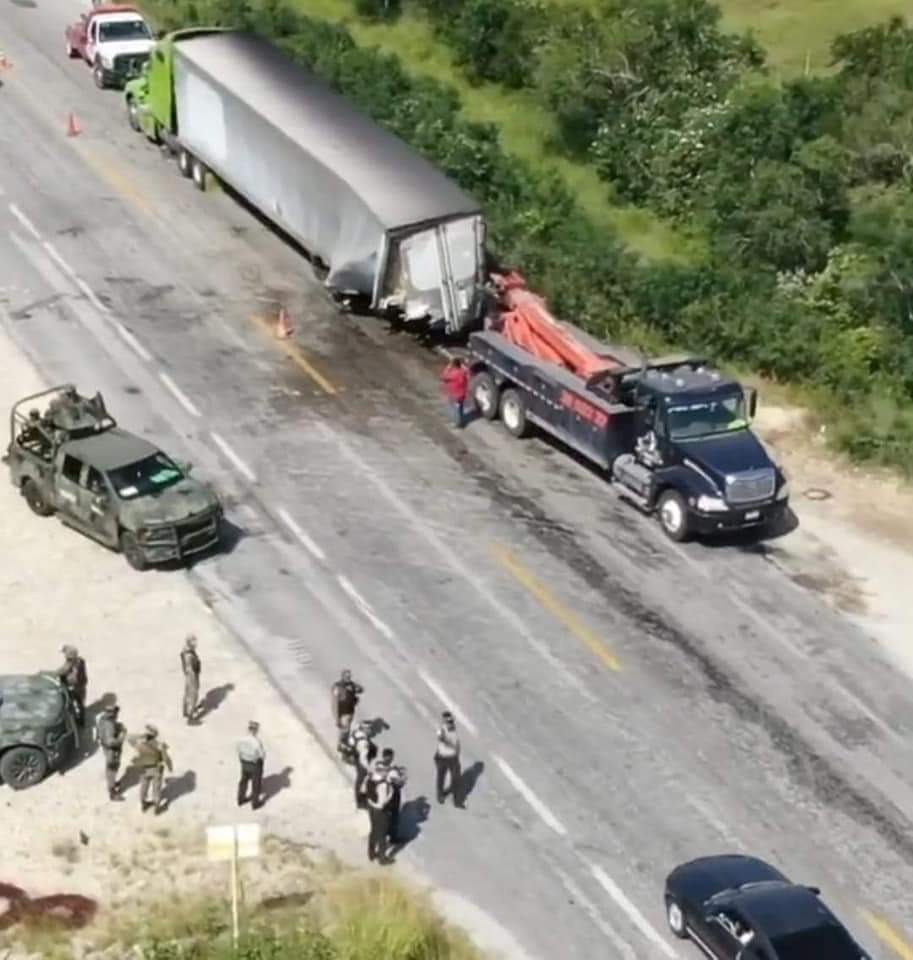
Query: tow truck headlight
[
  {"x": 711, "y": 504},
  {"x": 106, "y": 60},
  {"x": 783, "y": 492}
]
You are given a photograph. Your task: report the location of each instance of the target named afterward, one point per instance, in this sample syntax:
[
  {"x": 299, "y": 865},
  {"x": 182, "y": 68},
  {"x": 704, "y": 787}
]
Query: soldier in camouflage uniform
[
  {"x": 190, "y": 665},
  {"x": 111, "y": 734},
  {"x": 152, "y": 758},
  {"x": 74, "y": 677}
]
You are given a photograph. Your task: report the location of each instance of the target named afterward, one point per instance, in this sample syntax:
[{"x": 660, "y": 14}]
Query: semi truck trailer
[
  {"x": 391, "y": 230},
  {"x": 672, "y": 435}
]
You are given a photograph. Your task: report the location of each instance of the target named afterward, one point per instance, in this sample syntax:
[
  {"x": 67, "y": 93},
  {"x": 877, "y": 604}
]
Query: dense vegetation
[{"x": 801, "y": 188}]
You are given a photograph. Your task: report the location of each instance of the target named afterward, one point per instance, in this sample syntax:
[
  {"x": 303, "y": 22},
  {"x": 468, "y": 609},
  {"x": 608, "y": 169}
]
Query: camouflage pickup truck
[
  {"x": 71, "y": 459},
  {"x": 37, "y": 728}
]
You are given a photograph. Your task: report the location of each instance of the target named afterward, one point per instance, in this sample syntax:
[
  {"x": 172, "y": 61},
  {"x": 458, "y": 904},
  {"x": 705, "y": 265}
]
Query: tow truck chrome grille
[{"x": 751, "y": 486}]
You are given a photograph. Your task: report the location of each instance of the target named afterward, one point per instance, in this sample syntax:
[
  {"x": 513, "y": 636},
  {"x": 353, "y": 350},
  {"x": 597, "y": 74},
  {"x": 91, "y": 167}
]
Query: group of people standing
[
  {"x": 379, "y": 782},
  {"x": 151, "y": 754}
]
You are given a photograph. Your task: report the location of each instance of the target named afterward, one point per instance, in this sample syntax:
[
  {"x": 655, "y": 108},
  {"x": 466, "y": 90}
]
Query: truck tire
[
  {"x": 133, "y": 115},
  {"x": 35, "y": 499},
  {"x": 513, "y": 413},
  {"x": 673, "y": 516},
  {"x": 484, "y": 393},
  {"x": 130, "y": 548},
  {"x": 22, "y": 767},
  {"x": 185, "y": 162},
  {"x": 71, "y": 51},
  {"x": 199, "y": 174},
  {"x": 98, "y": 75}
]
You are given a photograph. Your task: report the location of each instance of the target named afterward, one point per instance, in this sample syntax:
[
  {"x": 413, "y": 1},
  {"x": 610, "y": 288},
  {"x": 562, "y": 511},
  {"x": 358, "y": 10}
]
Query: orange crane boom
[{"x": 526, "y": 321}]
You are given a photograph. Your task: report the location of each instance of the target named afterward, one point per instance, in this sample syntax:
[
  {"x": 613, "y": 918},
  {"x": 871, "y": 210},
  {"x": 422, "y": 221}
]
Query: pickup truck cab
[
  {"x": 73, "y": 460},
  {"x": 114, "y": 39}
]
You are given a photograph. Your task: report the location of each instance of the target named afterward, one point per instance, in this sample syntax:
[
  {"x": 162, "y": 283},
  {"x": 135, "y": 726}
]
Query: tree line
[{"x": 801, "y": 188}]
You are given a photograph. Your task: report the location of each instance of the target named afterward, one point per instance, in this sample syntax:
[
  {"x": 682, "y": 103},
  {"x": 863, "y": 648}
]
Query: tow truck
[
  {"x": 672, "y": 434},
  {"x": 114, "y": 39}
]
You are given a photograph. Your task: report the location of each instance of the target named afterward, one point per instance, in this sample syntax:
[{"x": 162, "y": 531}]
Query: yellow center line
[
  {"x": 120, "y": 182},
  {"x": 297, "y": 356},
  {"x": 888, "y": 935},
  {"x": 554, "y": 606}
]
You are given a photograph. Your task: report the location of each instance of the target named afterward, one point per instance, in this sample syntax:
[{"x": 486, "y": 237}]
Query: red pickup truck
[{"x": 114, "y": 39}]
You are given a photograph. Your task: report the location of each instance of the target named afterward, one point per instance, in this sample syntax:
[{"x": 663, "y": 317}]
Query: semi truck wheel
[
  {"x": 185, "y": 162},
  {"x": 133, "y": 115},
  {"x": 23, "y": 767},
  {"x": 673, "y": 516},
  {"x": 199, "y": 174},
  {"x": 35, "y": 499},
  {"x": 485, "y": 395},
  {"x": 130, "y": 548},
  {"x": 513, "y": 413}
]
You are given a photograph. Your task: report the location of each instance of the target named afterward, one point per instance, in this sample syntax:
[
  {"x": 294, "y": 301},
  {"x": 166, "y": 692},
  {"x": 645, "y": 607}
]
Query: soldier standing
[
  {"x": 251, "y": 754},
  {"x": 190, "y": 664},
  {"x": 447, "y": 759},
  {"x": 152, "y": 758},
  {"x": 378, "y": 797},
  {"x": 346, "y": 693},
  {"x": 111, "y": 734},
  {"x": 74, "y": 677}
]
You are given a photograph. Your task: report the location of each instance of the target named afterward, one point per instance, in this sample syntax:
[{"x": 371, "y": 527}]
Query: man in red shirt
[{"x": 455, "y": 379}]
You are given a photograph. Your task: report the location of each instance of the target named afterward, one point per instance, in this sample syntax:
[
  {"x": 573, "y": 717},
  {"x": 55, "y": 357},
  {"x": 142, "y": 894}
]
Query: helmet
[
  {"x": 191, "y": 641},
  {"x": 151, "y": 730},
  {"x": 111, "y": 708},
  {"x": 69, "y": 651}
]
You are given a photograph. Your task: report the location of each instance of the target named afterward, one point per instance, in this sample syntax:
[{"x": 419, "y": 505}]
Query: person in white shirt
[
  {"x": 447, "y": 760},
  {"x": 251, "y": 754}
]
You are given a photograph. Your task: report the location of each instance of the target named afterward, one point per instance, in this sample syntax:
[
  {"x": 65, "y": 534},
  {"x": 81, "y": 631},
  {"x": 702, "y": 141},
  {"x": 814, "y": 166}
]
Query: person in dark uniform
[
  {"x": 346, "y": 693},
  {"x": 365, "y": 753},
  {"x": 396, "y": 779},
  {"x": 74, "y": 677},
  {"x": 378, "y": 797}
]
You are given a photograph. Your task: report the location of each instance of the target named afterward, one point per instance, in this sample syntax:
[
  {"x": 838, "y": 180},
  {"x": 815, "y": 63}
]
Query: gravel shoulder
[{"x": 59, "y": 587}]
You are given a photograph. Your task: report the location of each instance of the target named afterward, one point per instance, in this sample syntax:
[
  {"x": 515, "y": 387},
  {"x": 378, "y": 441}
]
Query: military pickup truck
[
  {"x": 71, "y": 459},
  {"x": 37, "y": 728}
]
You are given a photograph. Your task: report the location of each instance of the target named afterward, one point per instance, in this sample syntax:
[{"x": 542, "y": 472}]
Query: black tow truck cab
[{"x": 673, "y": 434}]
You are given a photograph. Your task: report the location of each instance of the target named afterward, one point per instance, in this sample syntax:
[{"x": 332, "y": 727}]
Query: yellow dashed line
[
  {"x": 888, "y": 935},
  {"x": 554, "y": 606},
  {"x": 297, "y": 356}
]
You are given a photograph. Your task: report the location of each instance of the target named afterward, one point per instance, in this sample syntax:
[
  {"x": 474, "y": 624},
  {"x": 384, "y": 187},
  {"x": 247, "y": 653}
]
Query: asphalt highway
[{"x": 625, "y": 704}]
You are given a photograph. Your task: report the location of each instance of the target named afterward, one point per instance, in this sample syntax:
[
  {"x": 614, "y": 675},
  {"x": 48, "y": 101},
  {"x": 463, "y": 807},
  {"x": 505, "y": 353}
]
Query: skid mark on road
[
  {"x": 554, "y": 606},
  {"x": 888, "y": 935}
]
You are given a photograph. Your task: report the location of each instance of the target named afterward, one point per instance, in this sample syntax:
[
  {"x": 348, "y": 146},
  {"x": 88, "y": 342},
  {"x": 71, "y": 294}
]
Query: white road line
[
  {"x": 308, "y": 543},
  {"x": 58, "y": 259},
  {"x": 632, "y": 913},
  {"x": 438, "y": 691},
  {"x": 541, "y": 809},
  {"x": 132, "y": 342},
  {"x": 236, "y": 461},
  {"x": 365, "y": 607},
  {"x": 91, "y": 296},
  {"x": 622, "y": 946},
  {"x": 179, "y": 394},
  {"x": 24, "y": 220}
]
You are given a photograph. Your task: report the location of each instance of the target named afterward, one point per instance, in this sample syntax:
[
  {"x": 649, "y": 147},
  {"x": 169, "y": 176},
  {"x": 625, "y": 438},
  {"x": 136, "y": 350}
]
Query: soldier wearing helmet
[
  {"x": 153, "y": 759},
  {"x": 110, "y": 734}
]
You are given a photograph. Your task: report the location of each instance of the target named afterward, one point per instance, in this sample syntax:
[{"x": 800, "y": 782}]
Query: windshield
[
  {"x": 123, "y": 30},
  {"x": 831, "y": 942},
  {"x": 145, "y": 477},
  {"x": 707, "y": 416}
]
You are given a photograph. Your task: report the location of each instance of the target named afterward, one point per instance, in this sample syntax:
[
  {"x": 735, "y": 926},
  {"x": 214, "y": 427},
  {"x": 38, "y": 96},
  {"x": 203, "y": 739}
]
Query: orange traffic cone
[
  {"x": 4, "y": 62},
  {"x": 73, "y": 128},
  {"x": 284, "y": 328}
]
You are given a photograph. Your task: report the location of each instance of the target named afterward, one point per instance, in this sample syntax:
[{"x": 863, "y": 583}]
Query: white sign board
[{"x": 220, "y": 841}]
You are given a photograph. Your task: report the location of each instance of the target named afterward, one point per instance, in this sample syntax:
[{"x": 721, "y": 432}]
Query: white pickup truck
[{"x": 114, "y": 39}]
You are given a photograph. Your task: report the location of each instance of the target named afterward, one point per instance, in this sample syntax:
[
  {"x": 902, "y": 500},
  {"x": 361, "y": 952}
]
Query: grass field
[
  {"x": 798, "y": 33},
  {"x": 526, "y": 129}
]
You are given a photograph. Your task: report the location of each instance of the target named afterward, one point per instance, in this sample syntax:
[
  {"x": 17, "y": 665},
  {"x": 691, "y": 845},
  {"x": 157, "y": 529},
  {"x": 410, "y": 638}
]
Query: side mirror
[
  {"x": 184, "y": 466},
  {"x": 815, "y": 890},
  {"x": 751, "y": 399}
]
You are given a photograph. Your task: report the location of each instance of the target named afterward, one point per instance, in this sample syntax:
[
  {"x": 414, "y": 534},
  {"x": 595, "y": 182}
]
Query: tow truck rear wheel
[
  {"x": 35, "y": 499},
  {"x": 673, "y": 516},
  {"x": 132, "y": 552},
  {"x": 513, "y": 412},
  {"x": 71, "y": 52},
  {"x": 485, "y": 395}
]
